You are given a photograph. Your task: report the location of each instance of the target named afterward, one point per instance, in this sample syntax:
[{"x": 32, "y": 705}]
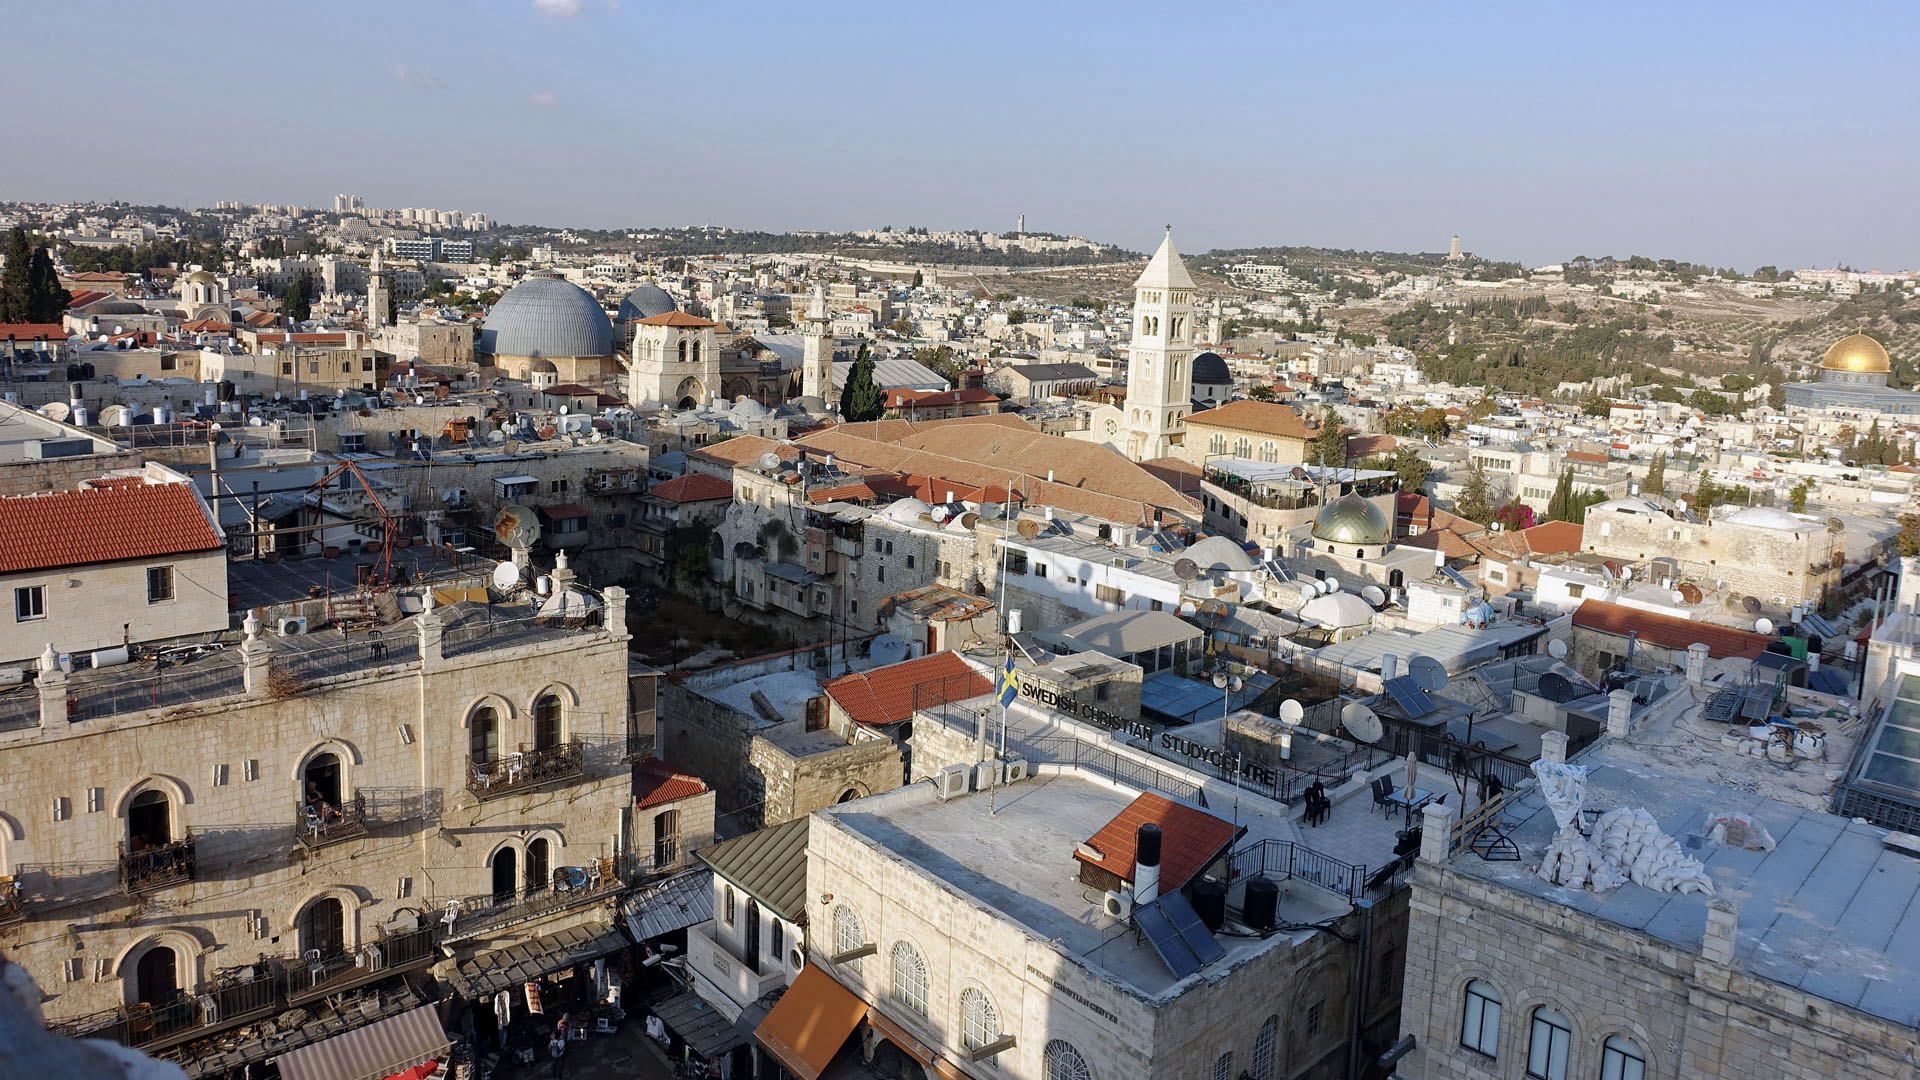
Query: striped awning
[{"x": 372, "y": 1052}]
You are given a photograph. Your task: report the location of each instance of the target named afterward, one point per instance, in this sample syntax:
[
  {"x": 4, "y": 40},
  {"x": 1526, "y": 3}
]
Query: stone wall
[
  {"x": 106, "y": 605},
  {"x": 795, "y": 785}
]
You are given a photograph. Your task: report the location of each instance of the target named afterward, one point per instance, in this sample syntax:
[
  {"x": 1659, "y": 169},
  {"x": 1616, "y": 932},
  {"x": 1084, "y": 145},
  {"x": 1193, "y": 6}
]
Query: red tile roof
[
  {"x": 655, "y": 782},
  {"x": 83, "y": 297},
  {"x": 571, "y": 390},
  {"x": 1259, "y": 417},
  {"x": 1586, "y": 457},
  {"x": 96, "y": 275},
  {"x": 693, "y": 487},
  {"x": 562, "y": 510},
  {"x": 27, "y": 331},
  {"x": 1189, "y": 839},
  {"x": 900, "y": 398},
  {"x": 933, "y": 489},
  {"x": 304, "y": 339},
  {"x": 676, "y": 318},
  {"x": 208, "y": 325},
  {"x": 106, "y": 523},
  {"x": 844, "y": 493},
  {"x": 1667, "y": 631},
  {"x": 1554, "y": 537},
  {"x": 885, "y": 695}
]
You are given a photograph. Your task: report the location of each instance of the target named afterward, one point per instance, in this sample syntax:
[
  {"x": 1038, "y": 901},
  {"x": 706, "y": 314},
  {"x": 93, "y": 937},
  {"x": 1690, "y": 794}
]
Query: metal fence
[{"x": 1286, "y": 859}]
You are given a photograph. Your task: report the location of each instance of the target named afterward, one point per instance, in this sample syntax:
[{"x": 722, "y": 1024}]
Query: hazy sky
[{"x": 1727, "y": 133}]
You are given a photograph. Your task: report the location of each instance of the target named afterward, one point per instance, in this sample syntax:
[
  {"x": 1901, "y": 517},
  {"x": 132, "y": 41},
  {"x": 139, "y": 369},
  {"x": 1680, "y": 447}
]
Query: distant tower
[
  {"x": 1453, "y": 250},
  {"x": 379, "y": 290},
  {"x": 816, "y": 356},
  {"x": 1159, "y": 375},
  {"x": 1021, "y": 228}
]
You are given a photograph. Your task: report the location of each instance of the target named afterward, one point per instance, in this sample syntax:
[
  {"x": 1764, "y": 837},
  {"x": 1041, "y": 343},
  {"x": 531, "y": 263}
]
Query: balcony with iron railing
[
  {"x": 525, "y": 770},
  {"x": 570, "y": 887},
  {"x": 317, "y": 826},
  {"x": 13, "y": 905},
  {"x": 238, "y": 996},
  {"x": 157, "y": 867},
  {"x": 639, "y": 747},
  {"x": 314, "y": 975}
]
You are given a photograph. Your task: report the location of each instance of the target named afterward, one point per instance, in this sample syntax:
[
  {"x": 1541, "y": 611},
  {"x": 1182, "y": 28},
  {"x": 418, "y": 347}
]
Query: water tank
[
  {"x": 1262, "y": 903},
  {"x": 162, "y": 414},
  {"x": 1210, "y": 902}
]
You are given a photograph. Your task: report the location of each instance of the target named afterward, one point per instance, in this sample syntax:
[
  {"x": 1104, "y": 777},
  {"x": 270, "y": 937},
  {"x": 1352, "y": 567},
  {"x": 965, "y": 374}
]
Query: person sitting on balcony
[{"x": 318, "y": 805}]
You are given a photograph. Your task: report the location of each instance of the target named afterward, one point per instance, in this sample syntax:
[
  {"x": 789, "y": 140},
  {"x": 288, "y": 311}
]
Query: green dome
[{"x": 1351, "y": 519}]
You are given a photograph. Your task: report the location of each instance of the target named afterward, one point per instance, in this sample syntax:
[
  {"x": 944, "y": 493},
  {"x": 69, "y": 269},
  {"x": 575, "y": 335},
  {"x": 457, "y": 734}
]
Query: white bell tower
[
  {"x": 1160, "y": 358},
  {"x": 816, "y": 356}
]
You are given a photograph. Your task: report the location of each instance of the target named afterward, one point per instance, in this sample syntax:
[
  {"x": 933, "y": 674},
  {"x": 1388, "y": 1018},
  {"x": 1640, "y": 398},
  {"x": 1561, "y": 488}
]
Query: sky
[{"x": 1729, "y": 134}]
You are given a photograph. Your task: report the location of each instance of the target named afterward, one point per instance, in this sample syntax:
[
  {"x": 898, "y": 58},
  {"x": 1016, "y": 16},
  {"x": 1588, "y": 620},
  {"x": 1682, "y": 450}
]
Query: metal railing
[
  {"x": 570, "y": 887},
  {"x": 157, "y": 867},
  {"x": 639, "y": 747},
  {"x": 316, "y": 827},
  {"x": 185, "y": 1016},
  {"x": 331, "y": 974},
  {"x": 13, "y": 904},
  {"x": 524, "y": 770},
  {"x": 1286, "y": 859}
]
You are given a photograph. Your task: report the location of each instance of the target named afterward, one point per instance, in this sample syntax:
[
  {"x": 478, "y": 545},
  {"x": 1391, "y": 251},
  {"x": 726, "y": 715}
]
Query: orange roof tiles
[
  {"x": 1189, "y": 839},
  {"x": 655, "y": 782},
  {"x": 84, "y": 297},
  {"x": 844, "y": 493},
  {"x": 1586, "y": 457},
  {"x": 28, "y": 331},
  {"x": 1554, "y": 537},
  {"x": 1260, "y": 417},
  {"x": 886, "y": 695},
  {"x": 693, "y": 487},
  {"x": 676, "y": 318},
  {"x": 1667, "y": 631},
  {"x": 105, "y": 523}
]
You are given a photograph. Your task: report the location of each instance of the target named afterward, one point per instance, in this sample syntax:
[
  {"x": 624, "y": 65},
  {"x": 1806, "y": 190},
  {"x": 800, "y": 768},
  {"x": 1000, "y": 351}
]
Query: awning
[
  {"x": 450, "y": 597},
  {"x": 674, "y": 904},
  {"x": 811, "y": 1023},
  {"x": 369, "y": 1053},
  {"x": 562, "y": 510},
  {"x": 703, "y": 1027},
  {"x": 912, "y": 1047},
  {"x": 489, "y": 973}
]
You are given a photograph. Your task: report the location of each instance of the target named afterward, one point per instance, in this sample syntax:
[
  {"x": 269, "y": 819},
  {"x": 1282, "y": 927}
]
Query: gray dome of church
[
  {"x": 546, "y": 316},
  {"x": 1210, "y": 370},
  {"x": 644, "y": 303}
]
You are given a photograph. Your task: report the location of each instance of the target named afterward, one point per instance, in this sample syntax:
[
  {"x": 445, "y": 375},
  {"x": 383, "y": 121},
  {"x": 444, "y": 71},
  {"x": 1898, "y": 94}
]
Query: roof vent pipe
[{"x": 1146, "y": 864}]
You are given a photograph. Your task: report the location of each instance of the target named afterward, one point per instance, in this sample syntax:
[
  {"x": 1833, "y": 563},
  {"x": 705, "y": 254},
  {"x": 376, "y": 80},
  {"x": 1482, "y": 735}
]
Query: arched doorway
[
  {"x": 149, "y": 822},
  {"x": 539, "y": 864},
  {"x": 666, "y": 838},
  {"x": 323, "y": 781},
  {"x": 505, "y": 866},
  {"x": 157, "y": 976},
  {"x": 848, "y": 795},
  {"x": 323, "y": 928}
]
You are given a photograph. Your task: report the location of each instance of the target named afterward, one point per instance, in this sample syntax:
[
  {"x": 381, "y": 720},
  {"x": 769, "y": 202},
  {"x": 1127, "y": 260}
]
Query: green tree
[
  {"x": 1328, "y": 449},
  {"x": 1409, "y": 468},
  {"x": 1261, "y": 392},
  {"x": 14, "y": 288},
  {"x": 861, "y": 399},
  {"x": 940, "y": 360},
  {"x": 293, "y": 303},
  {"x": 1797, "y": 498},
  {"x": 1476, "y": 499},
  {"x": 1596, "y": 406},
  {"x": 918, "y": 279},
  {"x": 1664, "y": 392},
  {"x": 1656, "y": 481},
  {"x": 1577, "y": 506},
  {"x": 1908, "y": 540},
  {"x": 47, "y": 300},
  {"x": 1706, "y": 494},
  {"x": 1559, "y": 507},
  {"x": 1710, "y": 402}
]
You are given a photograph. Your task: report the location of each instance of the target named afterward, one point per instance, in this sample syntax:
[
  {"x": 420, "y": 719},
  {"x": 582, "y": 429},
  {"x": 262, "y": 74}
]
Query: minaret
[
  {"x": 1159, "y": 371},
  {"x": 816, "y": 357},
  {"x": 377, "y": 291}
]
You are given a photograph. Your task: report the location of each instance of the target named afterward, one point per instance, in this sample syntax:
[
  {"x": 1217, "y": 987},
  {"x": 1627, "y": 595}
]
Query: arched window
[
  {"x": 683, "y": 351},
  {"x": 1396, "y": 579},
  {"x": 1269, "y": 452},
  {"x": 546, "y": 722},
  {"x": 1547, "y": 1045},
  {"x": 1243, "y": 448},
  {"x": 1621, "y": 1059},
  {"x": 1263, "y": 1049},
  {"x": 505, "y": 867},
  {"x": 322, "y": 787},
  {"x": 1060, "y": 1061},
  {"x": 776, "y": 938},
  {"x": 979, "y": 1021},
  {"x": 909, "y": 978},
  {"x": 1480, "y": 1019},
  {"x": 149, "y": 821},
  {"x": 1217, "y": 444},
  {"x": 750, "y": 947},
  {"x": 323, "y": 927},
  {"x": 847, "y": 935},
  {"x": 483, "y": 735},
  {"x": 696, "y": 352},
  {"x": 156, "y": 977},
  {"x": 727, "y": 905},
  {"x": 1223, "y": 1068},
  {"x": 539, "y": 864}
]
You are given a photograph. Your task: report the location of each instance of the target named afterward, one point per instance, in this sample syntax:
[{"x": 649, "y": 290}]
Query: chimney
[
  {"x": 1389, "y": 667},
  {"x": 1697, "y": 662},
  {"x": 1146, "y": 864},
  {"x": 1553, "y": 747},
  {"x": 1620, "y": 713},
  {"x": 1723, "y": 927}
]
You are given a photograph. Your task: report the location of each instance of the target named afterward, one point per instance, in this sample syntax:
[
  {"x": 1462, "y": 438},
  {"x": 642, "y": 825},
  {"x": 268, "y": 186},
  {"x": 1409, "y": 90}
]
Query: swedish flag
[{"x": 1009, "y": 686}]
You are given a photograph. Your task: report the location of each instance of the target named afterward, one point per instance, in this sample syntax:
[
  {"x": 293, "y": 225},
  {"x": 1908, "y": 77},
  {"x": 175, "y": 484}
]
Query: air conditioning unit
[
  {"x": 950, "y": 781},
  {"x": 1017, "y": 770},
  {"x": 986, "y": 775},
  {"x": 1119, "y": 905},
  {"x": 293, "y": 626}
]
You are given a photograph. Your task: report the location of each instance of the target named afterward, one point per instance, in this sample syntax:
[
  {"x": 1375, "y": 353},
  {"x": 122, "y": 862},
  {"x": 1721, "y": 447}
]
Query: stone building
[
  {"x": 675, "y": 361},
  {"x": 190, "y": 848},
  {"x": 548, "y": 318},
  {"x": 1779, "y": 559}
]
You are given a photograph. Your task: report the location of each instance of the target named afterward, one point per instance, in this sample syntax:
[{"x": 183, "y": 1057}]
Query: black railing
[
  {"x": 1286, "y": 859},
  {"x": 524, "y": 770},
  {"x": 639, "y": 747},
  {"x": 244, "y": 995},
  {"x": 318, "y": 826},
  {"x": 570, "y": 887},
  {"x": 308, "y": 978},
  {"x": 157, "y": 867},
  {"x": 13, "y": 904}
]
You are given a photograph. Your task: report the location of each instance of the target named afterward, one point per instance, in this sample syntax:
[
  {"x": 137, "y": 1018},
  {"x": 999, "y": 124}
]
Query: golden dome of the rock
[{"x": 1857, "y": 353}]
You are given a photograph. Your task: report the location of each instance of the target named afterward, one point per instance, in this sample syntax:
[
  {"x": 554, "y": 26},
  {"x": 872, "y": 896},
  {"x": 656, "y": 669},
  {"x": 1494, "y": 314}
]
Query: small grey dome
[
  {"x": 1208, "y": 368},
  {"x": 114, "y": 307},
  {"x": 544, "y": 367},
  {"x": 644, "y": 303},
  {"x": 546, "y": 316},
  {"x": 1351, "y": 519}
]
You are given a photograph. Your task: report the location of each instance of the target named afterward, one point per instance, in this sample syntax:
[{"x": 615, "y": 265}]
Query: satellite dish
[
  {"x": 888, "y": 649},
  {"x": 1626, "y": 573},
  {"x": 968, "y": 521},
  {"x": 1299, "y": 473},
  {"x": 939, "y": 514},
  {"x": 1557, "y": 649},
  {"x": 1333, "y": 585},
  {"x": 55, "y": 410},
  {"x": 1427, "y": 672},
  {"x": 1361, "y": 722},
  {"x": 1375, "y": 595},
  {"x": 516, "y": 527},
  {"x": 1555, "y": 687},
  {"x": 992, "y": 511},
  {"x": 1188, "y": 609},
  {"x": 1292, "y": 711},
  {"x": 116, "y": 416},
  {"x": 1186, "y": 569},
  {"x": 505, "y": 576},
  {"x": 256, "y": 421},
  {"x": 1677, "y": 596},
  {"x": 1028, "y": 528},
  {"x": 1220, "y": 679},
  {"x": 1751, "y": 604},
  {"x": 1763, "y": 626},
  {"x": 770, "y": 461}
]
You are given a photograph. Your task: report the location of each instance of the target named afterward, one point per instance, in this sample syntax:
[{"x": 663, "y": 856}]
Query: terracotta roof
[
  {"x": 570, "y": 390},
  {"x": 844, "y": 493},
  {"x": 1667, "y": 631},
  {"x": 261, "y": 318},
  {"x": 1413, "y": 508},
  {"x": 1554, "y": 537},
  {"x": 107, "y": 523},
  {"x": 27, "y": 331},
  {"x": 84, "y": 297},
  {"x": 655, "y": 782},
  {"x": 1459, "y": 537},
  {"x": 744, "y": 450},
  {"x": 901, "y": 397},
  {"x": 693, "y": 487},
  {"x": 304, "y": 339},
  {"x": 1586, "y": 457},
  {"x": 934, "y": 489},
  {"x": 1360, "y": 446},
  {"x": 562, "y": 510},
  {"x": 1189, "y": 839},
  {"x": 1624, "y": 405},
  {"x": 886, "y": 695},
  {"x": 1177, "y": 473},
  {"x": 208, "y": 325},
  {"x": 95, "y": 275},
  {"x": 676, "y": 318},
  {"x": 1260, "y": 417}
]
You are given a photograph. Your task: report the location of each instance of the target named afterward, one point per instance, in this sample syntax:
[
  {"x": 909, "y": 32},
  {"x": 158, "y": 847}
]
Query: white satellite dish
[
  {"x": 770, "y": 461},
  {"x": 1557, "y": 649},
  {"x": 116, "y": 416},
  {"x": 1763, "y": 626},
  {"x": 1361, "y": 722},
  {"x": 1188, "y": 609},
  {"x": 1333, "y": 585},
  {"x": 506, "y": 576},
  {"x": 1292, "y": 711},
  {"x": 1677, "y": 596},
  {"x": 256, "y": 421},
  {"x": 1626, "y": 573},
  {"x": 1429, "y": 674},
  {"x": 55, "y": 410}
]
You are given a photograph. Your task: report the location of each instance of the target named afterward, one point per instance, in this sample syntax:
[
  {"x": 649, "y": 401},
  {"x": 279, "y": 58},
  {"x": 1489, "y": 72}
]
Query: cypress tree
[
  {"x": 293, "y": 304},
  {"x": 46, "y": 299},
  {"x": 15, "y": 281},
  {"x": 1557, "y": 507},
  {"x": 1476, "y": 501},
  {"x": 1656, "y": 483},
  {"x": 861, "y": 399}
]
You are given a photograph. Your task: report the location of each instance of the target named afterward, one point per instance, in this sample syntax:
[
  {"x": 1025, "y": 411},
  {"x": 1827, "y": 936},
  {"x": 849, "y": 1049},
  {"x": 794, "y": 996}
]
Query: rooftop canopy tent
[{"x": 378, "y": 1050}]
